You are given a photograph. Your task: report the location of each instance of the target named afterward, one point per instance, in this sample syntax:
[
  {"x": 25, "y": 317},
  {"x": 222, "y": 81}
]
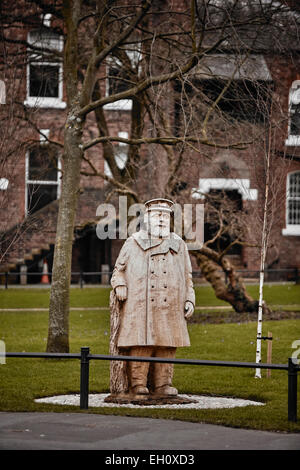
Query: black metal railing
[
  {"x": 103, "y": 277},
  {"x": 80, "y": 278},
  {"x": 85, "y": 357}
]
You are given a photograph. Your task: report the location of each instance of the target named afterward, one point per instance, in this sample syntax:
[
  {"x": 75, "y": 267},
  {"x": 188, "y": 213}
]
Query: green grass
[
  {"x": 278, "y": 294},
  {"x": 39, "y": 297},
  {"x": 274, "y": 294},
  {"x": 22, "y": 380}
]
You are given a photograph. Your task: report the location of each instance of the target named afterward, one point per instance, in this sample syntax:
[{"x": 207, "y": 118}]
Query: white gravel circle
[{"x": 203, "y": 402}]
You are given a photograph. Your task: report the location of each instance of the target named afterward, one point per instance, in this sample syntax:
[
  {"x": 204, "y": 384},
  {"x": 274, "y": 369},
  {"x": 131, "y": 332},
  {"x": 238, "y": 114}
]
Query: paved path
[{"x": 85, "y": 431}]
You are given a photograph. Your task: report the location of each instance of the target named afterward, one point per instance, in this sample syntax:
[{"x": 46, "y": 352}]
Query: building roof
[{"x": 259, "y": 26}]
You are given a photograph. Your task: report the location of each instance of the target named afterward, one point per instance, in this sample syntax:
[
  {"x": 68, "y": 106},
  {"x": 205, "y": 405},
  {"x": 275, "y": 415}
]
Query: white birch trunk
[
  {"x": 264, "y": 244},
  {"x": 259, "y": 325}
]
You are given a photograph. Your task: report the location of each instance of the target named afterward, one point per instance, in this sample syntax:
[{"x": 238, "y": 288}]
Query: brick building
[{"x": 30, "y": 182}]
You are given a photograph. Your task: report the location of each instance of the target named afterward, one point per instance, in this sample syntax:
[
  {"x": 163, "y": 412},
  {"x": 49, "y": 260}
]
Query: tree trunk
[
  {"x": 231, "y": 289},
  {"x": 58, "y": 332},
  {"x": 263, "y": 254}
]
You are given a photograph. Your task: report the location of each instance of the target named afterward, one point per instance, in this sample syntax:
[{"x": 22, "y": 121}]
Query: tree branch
[
  {"x": 167, "y": 140},
  {"x": 97, "y": 58}
]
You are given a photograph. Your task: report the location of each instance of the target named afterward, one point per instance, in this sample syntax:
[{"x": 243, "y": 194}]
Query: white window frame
[
  {"x": 44, "y": 136},
  {"x": 46, "y": 19},
  {"x": 242, "y": 185},
  {"x": 2, "y": 92},
  {"x": 121, "y": 105},
  {"x": 294, "y": 98},
  {"x": 4, "y": 182},
  {"x": 290, "y": 229},
  {"x": 41, "y": 182},
  {"x": 35, "y": 59}
]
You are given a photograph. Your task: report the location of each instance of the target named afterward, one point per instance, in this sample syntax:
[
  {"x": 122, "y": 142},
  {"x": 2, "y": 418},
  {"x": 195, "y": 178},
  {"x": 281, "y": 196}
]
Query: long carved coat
[{"x": 158, "y": 276}]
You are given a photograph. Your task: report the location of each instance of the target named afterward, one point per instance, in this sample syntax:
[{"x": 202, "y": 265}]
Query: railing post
[
  {"x": 84, "y": 378},
  {"x": 292, "y": 391}
]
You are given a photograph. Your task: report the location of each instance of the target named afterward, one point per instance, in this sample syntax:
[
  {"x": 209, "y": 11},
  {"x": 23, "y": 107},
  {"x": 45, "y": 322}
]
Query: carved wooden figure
[{"x": 151, "y": 300}]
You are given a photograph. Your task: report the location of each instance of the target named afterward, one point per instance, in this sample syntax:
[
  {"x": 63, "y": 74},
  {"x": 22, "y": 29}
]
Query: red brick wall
[{"x": 284, "y": 70}]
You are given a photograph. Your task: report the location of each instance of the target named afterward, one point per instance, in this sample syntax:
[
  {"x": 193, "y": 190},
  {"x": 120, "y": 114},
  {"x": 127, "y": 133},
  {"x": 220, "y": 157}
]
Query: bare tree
[{"x": 271, "y": 181}]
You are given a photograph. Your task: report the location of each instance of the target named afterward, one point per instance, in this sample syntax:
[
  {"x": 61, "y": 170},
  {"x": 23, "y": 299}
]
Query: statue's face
[{"x": 158, "y": 223}]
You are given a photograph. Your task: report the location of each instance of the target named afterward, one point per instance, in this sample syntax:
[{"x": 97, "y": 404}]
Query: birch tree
[{"x": 271, "y": 181}]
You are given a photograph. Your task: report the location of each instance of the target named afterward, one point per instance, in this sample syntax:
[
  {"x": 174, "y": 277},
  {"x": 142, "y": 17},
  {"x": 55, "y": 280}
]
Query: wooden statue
[{"x": 151, "y": 300}]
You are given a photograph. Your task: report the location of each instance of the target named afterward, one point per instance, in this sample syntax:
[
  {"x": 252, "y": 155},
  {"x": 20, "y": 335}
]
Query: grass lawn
[
  {"x": 274, "y": 294},
  {"x": 22, "y": 380}
]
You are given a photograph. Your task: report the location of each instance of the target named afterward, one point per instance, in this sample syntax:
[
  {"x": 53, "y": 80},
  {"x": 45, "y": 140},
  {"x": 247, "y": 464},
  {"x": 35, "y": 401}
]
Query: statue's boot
[
  {"x": 139, "y": 390},
  {"x": 166, "y": 390}
]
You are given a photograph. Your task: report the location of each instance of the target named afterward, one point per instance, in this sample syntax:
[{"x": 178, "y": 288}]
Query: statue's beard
[{"x": 160, "y": 231}]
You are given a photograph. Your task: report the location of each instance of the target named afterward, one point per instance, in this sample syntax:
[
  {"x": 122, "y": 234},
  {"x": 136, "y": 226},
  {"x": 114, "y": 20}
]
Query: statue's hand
[
  {"x": 121, "y": 293},
  {"x": 189, "y": 309}
]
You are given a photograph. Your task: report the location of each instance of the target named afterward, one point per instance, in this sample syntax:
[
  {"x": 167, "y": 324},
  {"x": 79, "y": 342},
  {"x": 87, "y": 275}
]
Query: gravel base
[{"x": 202, "y": 402}]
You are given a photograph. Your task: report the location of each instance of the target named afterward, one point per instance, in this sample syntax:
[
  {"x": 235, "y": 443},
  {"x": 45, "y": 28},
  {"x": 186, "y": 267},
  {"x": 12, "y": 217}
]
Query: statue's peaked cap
[{"x": 159, "y": 204}]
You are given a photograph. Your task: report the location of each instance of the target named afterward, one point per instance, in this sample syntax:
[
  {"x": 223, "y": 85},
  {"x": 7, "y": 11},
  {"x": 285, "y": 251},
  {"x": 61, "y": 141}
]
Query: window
[
  {"x": 44, "y": 70},
  {"x": 120, "y": 152},
  {"x": 43, "y": 80},
  {"x": 242, "y": 84},
  {"x": 294, "y": 115},
  {"x": 119, "y": 78},
  {"x": 293, "y": 205},
  {"x": 240, "y": 100},
  {"x": 42, "y": 177}
]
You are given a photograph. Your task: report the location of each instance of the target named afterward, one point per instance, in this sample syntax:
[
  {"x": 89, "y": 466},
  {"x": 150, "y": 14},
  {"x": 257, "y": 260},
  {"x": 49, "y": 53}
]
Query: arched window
[
  {"x": 293, "y": 204},
  {"x": 294, "y": 115}
]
